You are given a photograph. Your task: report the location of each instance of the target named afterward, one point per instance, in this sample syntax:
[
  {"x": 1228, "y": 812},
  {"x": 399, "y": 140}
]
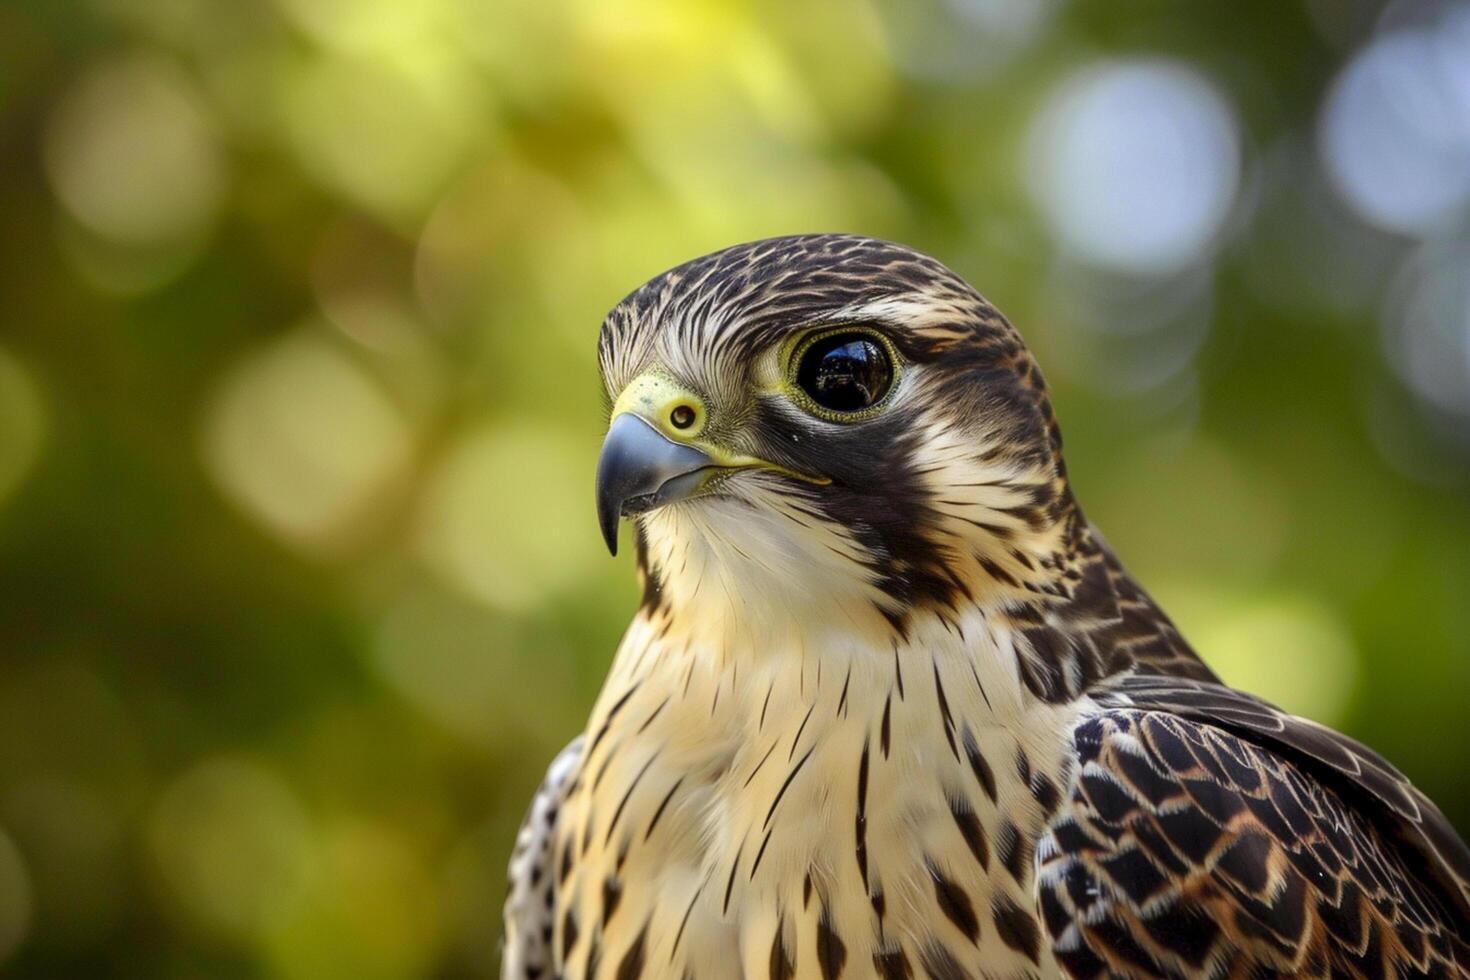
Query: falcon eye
[{"x": 845, "y": 372}]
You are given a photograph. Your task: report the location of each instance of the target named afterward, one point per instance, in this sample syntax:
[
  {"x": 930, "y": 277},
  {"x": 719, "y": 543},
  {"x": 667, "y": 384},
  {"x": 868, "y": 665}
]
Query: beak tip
[
  {"x": 639, "y": 461},
  {"x": 607, "y": 523}
]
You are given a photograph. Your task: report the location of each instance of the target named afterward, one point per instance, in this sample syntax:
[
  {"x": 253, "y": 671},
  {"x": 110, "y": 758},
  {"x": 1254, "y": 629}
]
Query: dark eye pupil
[{"x": 845, "y": 372}]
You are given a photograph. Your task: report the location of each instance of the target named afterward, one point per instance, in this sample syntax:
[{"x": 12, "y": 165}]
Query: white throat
[{"x": 753, "y": 575}]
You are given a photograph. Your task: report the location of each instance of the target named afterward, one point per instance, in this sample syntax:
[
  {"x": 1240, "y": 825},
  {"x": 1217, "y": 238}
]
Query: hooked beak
[{"x": 640, "y": 468}]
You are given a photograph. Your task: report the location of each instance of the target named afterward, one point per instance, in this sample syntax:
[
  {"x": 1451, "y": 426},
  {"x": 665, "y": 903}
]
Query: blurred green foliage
[{"x": 300, "y": 586}]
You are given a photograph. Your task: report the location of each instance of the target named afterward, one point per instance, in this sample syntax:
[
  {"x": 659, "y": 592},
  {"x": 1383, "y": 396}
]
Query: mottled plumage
[{"x": 891, "y": 707}]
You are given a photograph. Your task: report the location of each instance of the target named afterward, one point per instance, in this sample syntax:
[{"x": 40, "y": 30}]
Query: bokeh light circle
[
  {"x": 230, "y": 845},
  {"x": 957, "y": 41},
  {"x": 384, "y": 134},
  {"x": 1244, "y": 634},
  {"x": 16, "y": 900},
  {"x": 505, "y": 517},
  {"x": 369, "y": 910},
  {"x": 1426, "y": 325},
  {"x": 1134, "y": 165},
  {"x": 305, "y": 440},
  {"x": 22, "y": 424},
  {"x": 131, "y": 155},
  {"x": 469, "y": 670},
  {"x": 365, "y": 24},
  {"x": 1395, "y": 132}
]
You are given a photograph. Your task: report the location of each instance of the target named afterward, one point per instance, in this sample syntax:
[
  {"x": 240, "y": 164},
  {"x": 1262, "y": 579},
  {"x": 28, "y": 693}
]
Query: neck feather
[{"x": 732, "y": 585}]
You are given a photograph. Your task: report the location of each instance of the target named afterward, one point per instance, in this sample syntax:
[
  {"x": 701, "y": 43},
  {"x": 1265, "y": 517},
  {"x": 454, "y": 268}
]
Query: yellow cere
[{"x": 654, "y": 397}]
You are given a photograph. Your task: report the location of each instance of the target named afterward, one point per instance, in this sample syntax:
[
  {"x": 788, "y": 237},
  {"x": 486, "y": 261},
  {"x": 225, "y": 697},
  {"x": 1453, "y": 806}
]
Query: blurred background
[{"x": 300, "y": 586}]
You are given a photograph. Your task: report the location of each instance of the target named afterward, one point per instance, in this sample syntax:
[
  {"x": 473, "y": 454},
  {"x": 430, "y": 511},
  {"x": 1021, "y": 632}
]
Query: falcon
[{"x": 891, "y": 707}]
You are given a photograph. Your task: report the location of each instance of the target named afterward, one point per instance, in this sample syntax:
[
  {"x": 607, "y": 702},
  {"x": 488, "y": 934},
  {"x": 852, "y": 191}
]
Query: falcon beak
[
  {"x": 657, "y": 451},
  {"x": 639, "y": 469}
]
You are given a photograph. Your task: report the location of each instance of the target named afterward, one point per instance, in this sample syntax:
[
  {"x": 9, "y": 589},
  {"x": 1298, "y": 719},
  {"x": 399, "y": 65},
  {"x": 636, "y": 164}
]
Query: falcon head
[{"x": 830, "y": 420}]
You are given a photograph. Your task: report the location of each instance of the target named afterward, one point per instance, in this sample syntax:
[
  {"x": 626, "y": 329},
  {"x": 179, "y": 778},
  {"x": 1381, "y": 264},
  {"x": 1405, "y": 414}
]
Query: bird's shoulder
[
  {"x": 1205, "y": 832},
  {"x": 531, "y": 897}
]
